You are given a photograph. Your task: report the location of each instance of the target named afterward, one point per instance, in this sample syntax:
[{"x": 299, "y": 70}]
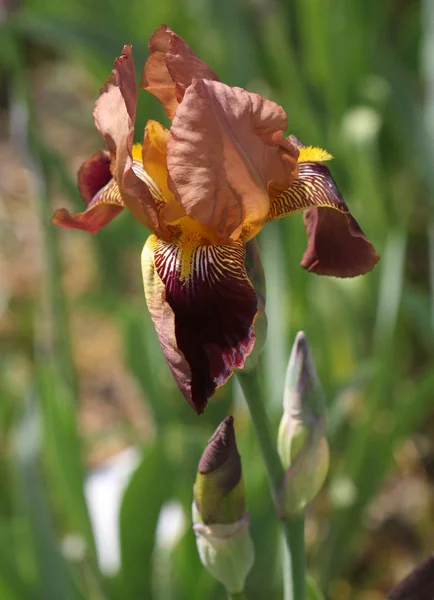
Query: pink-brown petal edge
[{"x": 170, "y": 69}]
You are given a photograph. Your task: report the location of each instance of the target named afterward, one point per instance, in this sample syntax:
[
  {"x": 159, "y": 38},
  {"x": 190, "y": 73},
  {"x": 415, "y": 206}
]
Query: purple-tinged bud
[
  {"x": 219, "y": 493},
  {"x": 221, "y": 523},
  {"x": 302, "y": 446}
]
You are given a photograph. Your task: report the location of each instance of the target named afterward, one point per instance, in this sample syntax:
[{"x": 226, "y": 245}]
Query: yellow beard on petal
[
  {"x": 188, "y": 236},
  {"x": 137, "y": 152},
  {"x": 188, "y": 244},
  {"x": 310, "y": 153}
]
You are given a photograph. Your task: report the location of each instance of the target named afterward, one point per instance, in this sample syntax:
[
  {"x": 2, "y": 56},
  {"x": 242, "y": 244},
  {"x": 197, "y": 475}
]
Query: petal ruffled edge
[
  {"x": 336, "y": 244},
  {"x": 203, "y": 307},
  {"x": 170, "y": 68},
  {"x": 225, "y": 154}
]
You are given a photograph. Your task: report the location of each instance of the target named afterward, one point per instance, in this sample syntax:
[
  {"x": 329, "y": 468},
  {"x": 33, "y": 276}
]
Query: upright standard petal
[
  {"x": 203, "y": 307},
  {"x": 225, "y": 154},
  {"x": 336, "y": 244},
  {"x": 115, "y": 114},
  {"x": 170, "y": 69},
  {"x": 115, "y": 111},
  {"x": 100, "y": 193}
]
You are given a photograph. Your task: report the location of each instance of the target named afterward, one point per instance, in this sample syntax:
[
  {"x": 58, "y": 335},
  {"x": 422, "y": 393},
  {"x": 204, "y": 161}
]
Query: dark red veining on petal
[{"x": 214, "y": 313}]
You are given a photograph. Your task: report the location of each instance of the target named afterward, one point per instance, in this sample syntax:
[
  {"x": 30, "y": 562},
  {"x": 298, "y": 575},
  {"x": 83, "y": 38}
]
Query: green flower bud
[
  {"x": 219, "y": 493},
  {"x": 302, "y": 446},
  {"x": 221, "y": 523},
  {"x": 255, "y": 272}
]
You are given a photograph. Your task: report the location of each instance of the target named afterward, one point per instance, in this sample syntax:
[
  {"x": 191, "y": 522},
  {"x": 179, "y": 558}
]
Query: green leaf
[
  {"x": 54, "y": 576},
  {"x": 312, "y": 590},
  {"x": 12, "y": 585},
  {"x": 62, "y": 450},
  {"x": 149, "y": 488},
  {"x": 191, "y": 581}
]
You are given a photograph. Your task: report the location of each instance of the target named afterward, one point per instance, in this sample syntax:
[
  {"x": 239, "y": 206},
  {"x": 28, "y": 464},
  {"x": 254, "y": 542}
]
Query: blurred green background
[{"x": 82, "y": 376}]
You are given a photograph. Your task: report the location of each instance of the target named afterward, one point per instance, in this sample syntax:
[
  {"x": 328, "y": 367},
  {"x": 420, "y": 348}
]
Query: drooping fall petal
[
  {"x": 170, "y": 69},
  {"x": 115, "y": 114},
  {"x": 225, "y": 153},
  {"x": 100, "y": 193},
  {"x": 336, "y": 244},
  {"x": 203, "y": 307}
]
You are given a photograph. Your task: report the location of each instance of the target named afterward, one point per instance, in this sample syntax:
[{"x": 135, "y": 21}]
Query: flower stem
[
  {"x": 293, "y": 530},
  {"x": 240, "y": 596}
]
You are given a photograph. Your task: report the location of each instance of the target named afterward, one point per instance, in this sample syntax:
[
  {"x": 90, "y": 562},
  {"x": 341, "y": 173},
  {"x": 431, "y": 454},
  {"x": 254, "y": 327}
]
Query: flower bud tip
[{"x": 219, "y": 493}]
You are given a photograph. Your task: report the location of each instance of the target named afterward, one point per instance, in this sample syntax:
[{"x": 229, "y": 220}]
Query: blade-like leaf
[{"x": 150, "y": 487}]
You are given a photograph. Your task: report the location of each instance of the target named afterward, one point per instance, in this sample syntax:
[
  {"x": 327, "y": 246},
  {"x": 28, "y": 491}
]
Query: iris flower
[{"x": 205, "y": 188}]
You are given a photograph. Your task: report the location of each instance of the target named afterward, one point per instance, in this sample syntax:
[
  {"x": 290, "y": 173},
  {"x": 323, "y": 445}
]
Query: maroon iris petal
[
  {"x": 100, "y": 193},
  {"x": 214, "y": 310},
  {"x": 93, "y": 175},
  {"x": 336, "y": 244}
]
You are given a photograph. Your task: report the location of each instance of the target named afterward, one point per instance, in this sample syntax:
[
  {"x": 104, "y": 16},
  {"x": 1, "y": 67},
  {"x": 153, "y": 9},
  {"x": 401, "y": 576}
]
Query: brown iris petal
[
  {"x": 170, "y": 68},
  {"x": 115, "y": 114},
  {"x": 115, "y": 111},
  {"x": 336, "y": 244},
  {"x": 213, "y": 315},
  {"x": 104, "y": 207},
  {"x": 100, "y": 193},
  {"x": 220, "y": 168}
]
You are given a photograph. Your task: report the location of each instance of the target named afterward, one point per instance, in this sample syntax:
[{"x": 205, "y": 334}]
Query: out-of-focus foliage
[{"x": 82, "y": 375}]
